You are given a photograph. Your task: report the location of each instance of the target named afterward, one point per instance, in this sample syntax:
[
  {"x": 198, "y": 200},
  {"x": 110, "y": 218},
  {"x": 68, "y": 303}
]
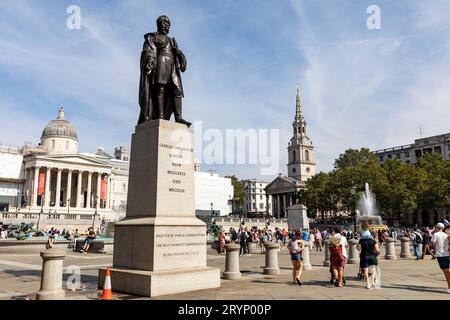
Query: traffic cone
[{"x": 107, "y": 292}]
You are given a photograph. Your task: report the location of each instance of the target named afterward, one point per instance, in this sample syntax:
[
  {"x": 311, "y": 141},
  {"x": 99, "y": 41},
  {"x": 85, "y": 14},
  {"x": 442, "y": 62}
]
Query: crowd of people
[{"x": 434, "y": 241}]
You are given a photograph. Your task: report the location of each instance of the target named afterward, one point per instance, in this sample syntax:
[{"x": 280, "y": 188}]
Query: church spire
[{"x": 298, "y": 104}]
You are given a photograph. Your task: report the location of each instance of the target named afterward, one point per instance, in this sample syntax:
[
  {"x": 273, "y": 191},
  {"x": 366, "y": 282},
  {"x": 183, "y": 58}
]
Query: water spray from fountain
[{"x": 368, "y": 206}]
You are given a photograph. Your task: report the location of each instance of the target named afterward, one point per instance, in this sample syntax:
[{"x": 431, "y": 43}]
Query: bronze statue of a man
[{"x": 160, "y": 88}]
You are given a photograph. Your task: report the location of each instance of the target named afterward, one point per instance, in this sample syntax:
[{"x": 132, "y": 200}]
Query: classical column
[
  {"x": 284, "y": 205},
  {"x": 108, "y": 192},
  {"x": 47, "y": 187},
  {"x": 79, "y": 182},
  {"x": 267, "y": 205},
  {"x": 58, "y": 188},
  {"x": 99, "y": 185},
  {"x": 69, "y": 187},
  {"x": 35, "y": 186},
  {"x": 88, "y": 202}
]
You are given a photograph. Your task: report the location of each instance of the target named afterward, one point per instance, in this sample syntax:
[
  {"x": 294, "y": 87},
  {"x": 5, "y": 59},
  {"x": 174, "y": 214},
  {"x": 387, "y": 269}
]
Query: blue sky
[{"x": 360, "y": 87}]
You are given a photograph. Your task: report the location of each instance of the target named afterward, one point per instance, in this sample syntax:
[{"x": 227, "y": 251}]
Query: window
[
  {"x": 293, "y": 170},
  {"x": 67, "y": 144},
  {"x": 389, "y": 156},
  {"x": 261, "y": 206},
  {"x": 260, "y": 196},
  {"x": 293, "y": 156},
  {"x": 398, "y": 155},
  {"x": 448, "y": 147},
  {"x": 306, "y": 155},
  {"x": 381, "y": 158},
  {"x": 53, "y": 143},
  {"x": 308, "y": 169},
  {"x": 124, "y": 187},
  {"x": 407, "y": 154}
]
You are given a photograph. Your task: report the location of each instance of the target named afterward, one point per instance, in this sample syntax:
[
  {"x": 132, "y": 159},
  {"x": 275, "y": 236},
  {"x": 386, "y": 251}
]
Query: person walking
[
  {"x": 296, "y": 247},
  {"x": 440, "y": 241},
  {"x": 337, "y": 260},
  {"x": 318, "y": 240},
  {"x": 426, "y": 244},
  {"x": 416, "y": 239},
  {"x": 243, "y": 242},
  {"x": 222, "y": 242},
  {"x": 369, "y": 250}
]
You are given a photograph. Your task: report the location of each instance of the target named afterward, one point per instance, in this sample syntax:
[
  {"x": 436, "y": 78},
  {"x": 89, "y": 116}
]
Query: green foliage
[
  {"x": 239, "y": 192},
  {"x": 400, "y": 188}
]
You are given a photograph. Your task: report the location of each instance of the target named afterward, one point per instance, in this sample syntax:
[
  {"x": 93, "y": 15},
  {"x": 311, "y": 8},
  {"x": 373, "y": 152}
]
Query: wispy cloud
[{"x": 359, "y": 87}]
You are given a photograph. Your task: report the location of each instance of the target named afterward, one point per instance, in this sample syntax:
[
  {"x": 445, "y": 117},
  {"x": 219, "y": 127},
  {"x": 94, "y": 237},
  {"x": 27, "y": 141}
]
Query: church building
[{"x": 284, "y": 189}]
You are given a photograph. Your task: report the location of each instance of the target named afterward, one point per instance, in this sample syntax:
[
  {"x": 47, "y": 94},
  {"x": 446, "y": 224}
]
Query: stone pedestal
[
  {"x": 326, "y": 261},
  {"x": 52, "y": 275},
  {"x": 297, "y": 217},
  {"x": 306, "y": 263},
  {"x": 353, "y": 252},
  {"x": 160, "y": 248},
  {"x": 232, "y": 262},
  {"x": 405, "y": 251},
  {"x": 390, "y": 249},
  {"x": 271, "y": 266}
]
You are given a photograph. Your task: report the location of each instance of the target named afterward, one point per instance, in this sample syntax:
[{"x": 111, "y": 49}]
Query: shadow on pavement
[{"x": 413, "y": 288}]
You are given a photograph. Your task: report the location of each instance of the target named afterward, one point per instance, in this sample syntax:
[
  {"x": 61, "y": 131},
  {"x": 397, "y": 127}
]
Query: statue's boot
[{"x": 177, "y": 109}]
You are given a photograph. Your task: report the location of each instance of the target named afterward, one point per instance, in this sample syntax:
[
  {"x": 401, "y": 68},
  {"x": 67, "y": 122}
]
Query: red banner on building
[
  {"x": 41, "y": 183},
  {"x": 103, "y": 190}
]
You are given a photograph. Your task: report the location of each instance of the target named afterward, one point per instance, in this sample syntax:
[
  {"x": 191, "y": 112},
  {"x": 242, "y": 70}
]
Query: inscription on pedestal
[
  {"x": 176, "y": 158},
  {"x": 179, "y": 244}
]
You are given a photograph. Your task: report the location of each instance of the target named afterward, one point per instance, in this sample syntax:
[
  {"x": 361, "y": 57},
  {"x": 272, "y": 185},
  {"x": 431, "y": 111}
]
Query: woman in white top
[{"x": 440, "y": 240}]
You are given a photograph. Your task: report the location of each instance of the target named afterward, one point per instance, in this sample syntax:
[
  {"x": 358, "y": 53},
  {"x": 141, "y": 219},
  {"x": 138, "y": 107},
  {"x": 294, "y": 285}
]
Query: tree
[
  {"x": 239, "y": 192},
  {"x": 353, "y": 157},
  {"x": 435, "y": 182},
  {"x": 398, "y": 193}
]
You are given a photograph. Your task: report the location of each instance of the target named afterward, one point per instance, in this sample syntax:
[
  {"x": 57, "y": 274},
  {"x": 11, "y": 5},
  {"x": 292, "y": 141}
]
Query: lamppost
[
  {"x": 353, "y": 192},
  {"x": 212, "y": 209}
]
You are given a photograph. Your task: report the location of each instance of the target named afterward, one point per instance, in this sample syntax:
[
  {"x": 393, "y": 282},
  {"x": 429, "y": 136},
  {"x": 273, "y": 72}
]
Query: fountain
[{"x": 368, "y": 207}]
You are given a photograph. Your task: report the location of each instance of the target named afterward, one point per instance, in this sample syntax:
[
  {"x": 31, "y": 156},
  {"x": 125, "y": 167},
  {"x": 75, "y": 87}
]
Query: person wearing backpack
[
  {"x": 295, "y": 247},
  {"x": 416, "y": 239},
  {"x": 243, "y": 242}
]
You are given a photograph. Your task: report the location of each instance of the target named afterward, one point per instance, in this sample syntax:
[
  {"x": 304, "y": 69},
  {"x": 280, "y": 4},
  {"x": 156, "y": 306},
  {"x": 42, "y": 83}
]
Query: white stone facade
[
  {"x": 213, "y": 194},
  {"x": 256, "y": 201}
]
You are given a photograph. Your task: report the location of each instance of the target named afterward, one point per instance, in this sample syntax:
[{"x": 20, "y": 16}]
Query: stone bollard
[
  {"x": 353, "y": 252},
  {"x": 271, "y": 258},
  {"x": 51, "y": 276},
  {"x": 306, "y": 263},
  {"x": 326, "y": 261},
  {"x": 405, "y": 248},
  {"x": 390, "y": 249},
  {"x": 232, "y": 262}
]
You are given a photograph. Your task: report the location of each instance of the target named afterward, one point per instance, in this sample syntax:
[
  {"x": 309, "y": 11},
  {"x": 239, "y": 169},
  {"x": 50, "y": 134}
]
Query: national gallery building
[{"x": 60, "y": 185}]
